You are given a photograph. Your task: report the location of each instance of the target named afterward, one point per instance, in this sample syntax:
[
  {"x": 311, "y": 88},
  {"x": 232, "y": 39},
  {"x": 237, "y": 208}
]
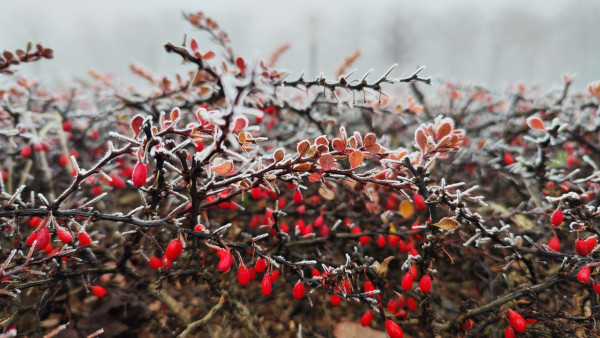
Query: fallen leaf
[{"x": 447, "y": 223}]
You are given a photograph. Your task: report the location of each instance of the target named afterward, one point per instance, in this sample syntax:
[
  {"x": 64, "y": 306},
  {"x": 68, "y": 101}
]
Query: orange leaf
[
  {"x": 355, "y": 158},
  {"x": 326, "y": 161},
  {"x": 302, "y": 167},
  {"x": 223, "y": 168},
  {"x": 406, "y": 209},
  {"x": 208, "y": 55},
  {"x": 535, "y": 123},
  {"x": 370, "y": 139}
]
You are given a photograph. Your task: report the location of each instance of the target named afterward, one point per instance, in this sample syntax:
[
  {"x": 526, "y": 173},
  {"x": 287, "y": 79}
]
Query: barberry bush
[{"x": 239, "y": 200}]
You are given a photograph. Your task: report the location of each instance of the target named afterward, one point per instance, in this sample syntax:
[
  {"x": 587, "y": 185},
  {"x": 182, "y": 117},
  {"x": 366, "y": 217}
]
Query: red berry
[
  {"x": 369, "y": 287},
  {"x": 425, "y": 284},
  {"x": 243, "y": 275},
  {"x": 392, "y": 329},
  {"x": 307, "y": 230},
  {"x": 583, "y": 275},
  {"x": 174, "y": 249},
  {"x": 392, "y": 305},
  {"x": 508, "y": 159},
  {"x": 97, "y": 190},
  {"x": 299, "y": 290},
  {"x": 199, "y": 227},
  {"x": 62, "y": 160},
  {"x": 365, "y": 320},
  {"x": 407, "y": 281},
  {"x": 155, "y": 263},
  {"x": 226, "y": 261},
  {"x": 139, "y": 175},
  {"x": 260, "y": 265},
  {"x": 557, "y": 217},
  {"x": 324, "y": 231},
  {"x": 509, "y": 332},
  {"x": 364, "y": 240},
  {"x": 319, "y": 221},
  {"x": 581, "y": 247},
  {"x": 381, "y": 242},
  {"x": 411, "y": 304},
  {"x": 43, "y": 238},
  {"x": 274, "y": 275},
  {"x": 26, "y": 152},
  {"x": 117, "y": 182},
  {"x": 252, "y": 273},
  {"x": 554, "y": 244},
  {"x": 597, "y": 288},
  {"x": 64, "y": 236},
  {"x": 48, "y": 248},
  {"x": 517, "y": 321},
  {"x": 199, "y": 146},
  {"x": 335, "y": 300},
  {"x": 591, "y": 242},
  {"x": 99, "y": 291},
  {"x": 297, "y": 197},
  {"x": 265, "y": 286},
  {"x": 281, "y": 203},
  {"x": 393, "y": 240},
  {"x": 419, "y": 202},
  {"x": 67, "y": 125},
  {"x": 84, "y": 239},
  {"x": 467, "y": 325},
  {"x": 255, "y": 193},
  {"x": 34, "y": 222}
]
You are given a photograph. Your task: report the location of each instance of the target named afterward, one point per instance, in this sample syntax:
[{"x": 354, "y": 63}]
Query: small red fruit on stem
[
  {"x": 393, "y": 329},
  {"x": 243, "y": 275},
  {"x": 260, "y": 265},
  {"x": 509, "y": 332},
  {"x": 554, "y": 244},
  {"x": 584, "y": 274},
  {"x": 425, "y": 284},
  {"x": 64, "y": 236},
  {"x": 84, "y": 239},
  {"x": 297, "y": 197},
  {"x": 335, "y": 300},
  {"x": 407, "y": 281},
  {"x": 557, "y": 217},
  {"x": 581, "y": 247},
  {"x": 155, "y": 263},
  {"x": 365, "y": 320},
  {"x": 265, "y": 286},
  {"x": 99, "y": 291},
  {"x": 299, "y": 290},
  {"x": 419, "y": 202},
  {"x": 174, "y": 249},
  {"x": 226, "y": 260},
  {"x": 517, "y": 321},
  {"x": 140, "y": 174}
]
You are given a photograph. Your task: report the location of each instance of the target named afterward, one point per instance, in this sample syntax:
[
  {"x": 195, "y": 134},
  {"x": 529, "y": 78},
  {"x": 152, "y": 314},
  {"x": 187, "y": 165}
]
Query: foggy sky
[{"x": 485, "y": 42}]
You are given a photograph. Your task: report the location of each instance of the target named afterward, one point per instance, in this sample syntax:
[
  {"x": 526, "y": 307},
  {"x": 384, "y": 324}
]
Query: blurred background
[{"x": 493, "y": 42}]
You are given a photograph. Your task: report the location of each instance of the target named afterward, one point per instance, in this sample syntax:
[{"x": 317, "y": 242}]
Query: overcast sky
[{"x": 486, "y": 42}]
